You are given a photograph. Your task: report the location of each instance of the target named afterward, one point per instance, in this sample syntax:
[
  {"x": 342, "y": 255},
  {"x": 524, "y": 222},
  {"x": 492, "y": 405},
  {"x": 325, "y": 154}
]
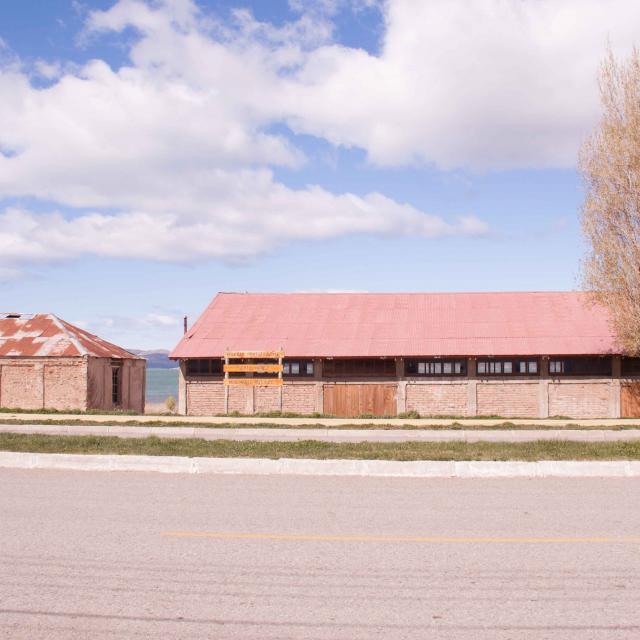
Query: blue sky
[{"x": 159, "y": 152}]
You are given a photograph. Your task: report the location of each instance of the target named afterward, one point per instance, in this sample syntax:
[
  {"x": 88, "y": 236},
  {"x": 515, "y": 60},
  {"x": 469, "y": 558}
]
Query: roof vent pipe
[{"x": 185, "y": 324}]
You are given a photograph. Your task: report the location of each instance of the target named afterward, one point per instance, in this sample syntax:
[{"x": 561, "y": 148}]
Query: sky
[{"x": 155, "y": 152}]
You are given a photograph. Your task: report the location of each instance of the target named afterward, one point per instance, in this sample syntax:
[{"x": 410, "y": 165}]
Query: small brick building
[
  {"x": 47, "y": 363},
  {"x": 520, "y": 355}
]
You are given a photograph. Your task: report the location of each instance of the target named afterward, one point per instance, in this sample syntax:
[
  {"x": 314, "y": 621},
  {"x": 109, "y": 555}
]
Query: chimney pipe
[{"x": 185, "y": 324}]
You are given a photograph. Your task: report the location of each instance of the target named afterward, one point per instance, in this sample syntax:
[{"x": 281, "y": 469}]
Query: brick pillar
[
  {"x": 401, "y": 389},
  {"x": 319, "y": 397},
  {"x": 249, "y": 401},
  {"x": 317, "y": 375},
  {"x": 543, "y": 391},
  {"x": 614, "y": 392},
  {"x": 182, "y": 388},
  {"x": 401, "y": 397},
  {"x": 472, "y": 388}
]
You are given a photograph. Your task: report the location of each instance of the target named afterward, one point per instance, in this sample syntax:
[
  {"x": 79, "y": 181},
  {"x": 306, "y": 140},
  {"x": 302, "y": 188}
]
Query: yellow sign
[
  {"x": 254, "y": 354},
  {"x": 253, "y": 368},
  {"x": 253, "y": 382}
]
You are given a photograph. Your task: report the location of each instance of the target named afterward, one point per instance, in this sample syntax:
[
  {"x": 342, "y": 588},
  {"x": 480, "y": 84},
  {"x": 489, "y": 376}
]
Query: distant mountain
[{"x": 157, "y": 359}]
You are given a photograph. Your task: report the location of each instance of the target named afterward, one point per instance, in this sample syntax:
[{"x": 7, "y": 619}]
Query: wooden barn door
[
  {"x": 630, "y": 400},
  {"x": 352, "y": 400}
]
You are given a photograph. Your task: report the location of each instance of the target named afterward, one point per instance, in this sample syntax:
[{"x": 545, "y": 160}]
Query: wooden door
[
  {"x": 353, "y": 400},
  {"x": 630, "y": 400}
]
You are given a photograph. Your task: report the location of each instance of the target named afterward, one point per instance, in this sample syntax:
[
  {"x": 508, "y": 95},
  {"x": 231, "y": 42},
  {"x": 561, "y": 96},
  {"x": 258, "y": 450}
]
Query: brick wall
[
  {"x": 513, "y": 399},
  {"x": 579, "y": 399},
  {"x": 437, "y": 399},
  {"x": 299, "y": 398},
  {"x": 65, "y": 386},
  {"x": 266, "y": 399},
  {"x": 240, "y": 399},
  {"x": 56, "y": 383},
  {"x": 205, "y": 397},
  {"x": 508, "y": 399}
]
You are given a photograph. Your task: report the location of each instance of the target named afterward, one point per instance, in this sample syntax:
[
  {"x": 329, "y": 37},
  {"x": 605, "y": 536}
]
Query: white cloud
[
  {"x": 170, "y": 157},
  {"x": 473, "y": 83}
]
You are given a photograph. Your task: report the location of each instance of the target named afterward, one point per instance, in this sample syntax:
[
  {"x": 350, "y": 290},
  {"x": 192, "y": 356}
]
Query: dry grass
[
  {"x": 456, "y": 426},
  {"x": 528, "y": 451}
]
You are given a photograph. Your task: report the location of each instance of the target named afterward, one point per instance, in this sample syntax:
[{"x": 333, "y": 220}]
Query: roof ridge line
[{"x": 76, "y": 343}]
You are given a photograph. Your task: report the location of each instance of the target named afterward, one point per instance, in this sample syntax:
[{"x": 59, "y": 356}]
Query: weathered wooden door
[
  {"x": 630, "y": 400},
  {"x": 352, "y": 400}
]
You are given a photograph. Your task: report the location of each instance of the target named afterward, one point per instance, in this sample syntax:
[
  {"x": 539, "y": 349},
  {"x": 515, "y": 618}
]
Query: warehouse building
[
  {"x": 47, "y": 363},
  {"x": 525, "y": 355}
]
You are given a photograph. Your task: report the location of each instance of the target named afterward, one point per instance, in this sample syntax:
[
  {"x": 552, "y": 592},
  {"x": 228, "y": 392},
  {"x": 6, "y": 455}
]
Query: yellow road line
[{"x": 222, "y": 535}]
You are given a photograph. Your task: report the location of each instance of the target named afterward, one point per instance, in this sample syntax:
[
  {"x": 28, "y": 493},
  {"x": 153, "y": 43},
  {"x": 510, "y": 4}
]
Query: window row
[
  {"x": 298, "y": 368},
  {"x": 386, "y": 367},
  {"x": 507, "y": 367},
  {"x": 436, "y": 367},
  {"x": 580, "y": 367},
  {"x": 214, "y": 367}
]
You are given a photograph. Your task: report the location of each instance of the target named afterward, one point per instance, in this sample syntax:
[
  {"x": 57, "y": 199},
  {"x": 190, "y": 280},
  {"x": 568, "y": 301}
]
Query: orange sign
[
  {"x": 254, "y": 382},
  {"x": 253, "y": 368},
  {"x": 254, "y": 354}
]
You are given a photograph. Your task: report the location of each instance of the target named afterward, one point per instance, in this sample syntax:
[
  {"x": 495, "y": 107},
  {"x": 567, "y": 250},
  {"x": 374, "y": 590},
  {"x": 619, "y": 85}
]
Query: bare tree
[{"x": 610, "y": 165}]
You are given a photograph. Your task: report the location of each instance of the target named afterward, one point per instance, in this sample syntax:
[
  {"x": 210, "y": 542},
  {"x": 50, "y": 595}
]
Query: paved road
[
  {"x": 133, "y": 555},
  {"x": 333, "y": 435}
]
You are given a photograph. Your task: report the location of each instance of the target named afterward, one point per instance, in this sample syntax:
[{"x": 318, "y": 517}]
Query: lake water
[{"x": 162, "y": 383}]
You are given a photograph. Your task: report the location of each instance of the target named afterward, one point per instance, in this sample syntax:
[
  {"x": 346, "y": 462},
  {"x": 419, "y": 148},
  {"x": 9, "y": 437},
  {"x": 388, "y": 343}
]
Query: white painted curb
[{"x": 289, "y": 466}]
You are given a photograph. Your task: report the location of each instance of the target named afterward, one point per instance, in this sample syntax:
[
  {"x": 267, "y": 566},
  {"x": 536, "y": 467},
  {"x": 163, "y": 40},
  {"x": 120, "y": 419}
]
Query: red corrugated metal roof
[
  {"x": 43, "y": 334},
  {"x": 401, "y": 324}
]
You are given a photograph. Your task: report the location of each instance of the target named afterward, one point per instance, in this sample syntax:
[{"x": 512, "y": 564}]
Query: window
[
  {"x": 556, "y": 366},
  {"x": 510, "y": 367},
  {"x": 581, "y": 366},
  {"x": 204, "y": 367},
  {"x": 436, "y": 368},
  {"x": 116, "y": 386},
  {"x": 631, "y": 366},
  {"x": 528, "y": 367},
  {"x": 359, "y": 368},
  {"x": 298, "y": 368}
]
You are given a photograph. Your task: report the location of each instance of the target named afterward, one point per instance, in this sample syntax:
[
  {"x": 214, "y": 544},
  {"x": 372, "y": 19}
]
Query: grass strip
[
  {"x": 528, "y": 451},
  {"x": 456, "y": 426}
]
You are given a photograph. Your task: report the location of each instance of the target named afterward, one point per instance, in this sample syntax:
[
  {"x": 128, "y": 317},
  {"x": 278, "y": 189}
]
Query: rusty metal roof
[
  {"x": 401, "y": 324},
  {"x": 46, "y": 335}
]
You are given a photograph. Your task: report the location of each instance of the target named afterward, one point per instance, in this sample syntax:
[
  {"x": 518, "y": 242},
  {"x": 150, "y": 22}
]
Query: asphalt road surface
[{"x": 143, "y": 555}]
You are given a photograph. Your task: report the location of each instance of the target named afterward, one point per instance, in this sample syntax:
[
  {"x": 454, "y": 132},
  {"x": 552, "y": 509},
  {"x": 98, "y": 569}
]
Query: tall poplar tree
[{"x": 610, "y": 166}]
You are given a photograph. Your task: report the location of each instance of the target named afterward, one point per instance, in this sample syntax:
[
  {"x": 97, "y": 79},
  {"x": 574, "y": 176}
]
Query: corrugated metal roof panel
[
  {"x": 43, "y": 334},
  {"x": 400, "y": 324}
]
